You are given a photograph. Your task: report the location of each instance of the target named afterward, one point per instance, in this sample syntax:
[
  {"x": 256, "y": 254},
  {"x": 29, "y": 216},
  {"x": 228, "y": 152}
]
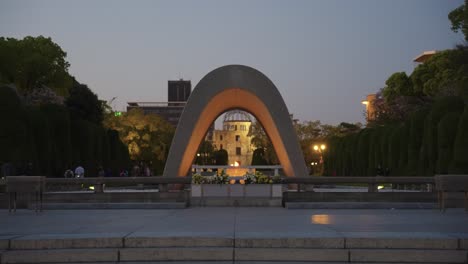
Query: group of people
[
  {"x": 138, "y": 170},
  {"x": 78, "y": 173}
]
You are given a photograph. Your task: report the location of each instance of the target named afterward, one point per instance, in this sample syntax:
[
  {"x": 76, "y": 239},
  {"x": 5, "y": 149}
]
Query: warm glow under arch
[{"x": 234, "y": 87}]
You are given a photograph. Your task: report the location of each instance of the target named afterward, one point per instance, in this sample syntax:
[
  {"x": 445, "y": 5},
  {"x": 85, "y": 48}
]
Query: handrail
[
  {"x": 359, "y": 179},
  {"x": 125, "y": 180}
]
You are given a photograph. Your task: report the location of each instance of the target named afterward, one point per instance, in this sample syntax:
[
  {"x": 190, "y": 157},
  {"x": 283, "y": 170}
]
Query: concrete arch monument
[{"x": 234, "y": 87}]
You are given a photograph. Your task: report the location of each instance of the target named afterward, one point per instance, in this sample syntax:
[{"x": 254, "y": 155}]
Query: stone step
[
  {"x": 349, "y": 240},
  {"x": 154, "y": 247},
  {"x": 358, "y": 205},
  {"x": 85, "y": 206},
  {"x": 238, "y": 255}
]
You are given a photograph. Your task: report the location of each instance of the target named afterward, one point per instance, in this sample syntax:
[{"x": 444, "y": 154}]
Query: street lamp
[{"x": 320, "y": 149}]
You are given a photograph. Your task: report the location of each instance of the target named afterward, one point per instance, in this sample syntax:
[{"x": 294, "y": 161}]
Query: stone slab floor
[{"x": 237, "y": 222}]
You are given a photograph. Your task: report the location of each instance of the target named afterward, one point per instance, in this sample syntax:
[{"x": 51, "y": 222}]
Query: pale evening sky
[{"x": 324, "y": 56}]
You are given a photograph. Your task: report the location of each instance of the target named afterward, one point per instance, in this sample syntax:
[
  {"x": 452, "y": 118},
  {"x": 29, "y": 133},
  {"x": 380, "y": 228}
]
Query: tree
[
  {"x": 33, "y": 62},
  {"x": 258, "y": 157},
  {"x": 205, "y": 154},
  {"x": 13, "y": 126},
  {"x": 429, "y": 153},
  {"x": 221, "y": 157},
  {"x": 147, "y": 136},
  {"x": 398, "y": 84},
  {"x": 446, "y": 133},
  {"x": 460, "y": 148},
  {"x": 84, "y": 104},
  {"x": 261, "y": 141},
  {"x": 459, "y": 19}
]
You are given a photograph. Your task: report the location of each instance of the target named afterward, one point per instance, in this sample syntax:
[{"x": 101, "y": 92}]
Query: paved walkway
[{"x": 238, "y": 222}]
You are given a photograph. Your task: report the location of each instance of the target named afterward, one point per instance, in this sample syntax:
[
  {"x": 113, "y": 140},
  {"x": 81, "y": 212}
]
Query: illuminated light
[
  {"x": 231, "y": 164},
  {"x": 91, "y": 187},
  {"x": 380, "y": 187},
  {"x": 117, "y": 113},
  {"x": 242, "y": 181},
  {"x": 232, "y": 181},
  {"x": 236, "y": 164},
  {"x": 198, "y": 154},
  {"x": 365, "y": 102},
  {"x": 323, "y": 146},
  {"x": 320, "y": 219},
  {"x": 316, "y": 147}
]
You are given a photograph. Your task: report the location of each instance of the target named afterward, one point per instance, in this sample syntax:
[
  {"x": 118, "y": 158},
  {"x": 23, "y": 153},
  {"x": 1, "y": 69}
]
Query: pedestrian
[
  {"x": 101, "y": 172},
  {"x": 79, "y": 172},
  {"x": 69, "y": 174}
]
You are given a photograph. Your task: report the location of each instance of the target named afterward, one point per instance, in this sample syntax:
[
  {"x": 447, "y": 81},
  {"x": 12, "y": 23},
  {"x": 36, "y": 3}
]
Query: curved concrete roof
[{"x": 234, "y": 87}]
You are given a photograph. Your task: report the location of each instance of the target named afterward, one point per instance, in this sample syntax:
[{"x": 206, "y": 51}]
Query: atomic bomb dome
[{"x": 237, "y": 116}]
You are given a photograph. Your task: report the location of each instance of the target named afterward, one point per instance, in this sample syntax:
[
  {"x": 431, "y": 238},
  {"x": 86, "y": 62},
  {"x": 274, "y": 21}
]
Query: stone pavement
[{"x": 254, "y": 234}]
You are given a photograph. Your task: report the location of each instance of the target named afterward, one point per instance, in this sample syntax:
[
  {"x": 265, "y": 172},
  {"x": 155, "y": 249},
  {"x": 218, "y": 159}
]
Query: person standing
[{"x": 79, "y": 172}]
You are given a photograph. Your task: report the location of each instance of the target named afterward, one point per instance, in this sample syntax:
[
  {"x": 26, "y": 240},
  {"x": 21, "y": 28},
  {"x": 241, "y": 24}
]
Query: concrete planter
[
  {"x": 257, "y": 190},
  {"x": 237, "y": 190},
  {"x": 215, "y": 190},
  {"x": 196, "y": 190}
]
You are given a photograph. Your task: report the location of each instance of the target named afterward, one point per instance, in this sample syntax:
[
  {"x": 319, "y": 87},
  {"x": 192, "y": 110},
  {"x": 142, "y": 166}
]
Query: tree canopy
[
  {"x": 148, "y": 136},
  {"x": 32, "y": 62},
  {"x": 459, "y": 19}
]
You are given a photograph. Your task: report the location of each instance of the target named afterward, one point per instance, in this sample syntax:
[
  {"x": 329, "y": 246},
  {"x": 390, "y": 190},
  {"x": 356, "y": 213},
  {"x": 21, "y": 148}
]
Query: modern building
[
  {"x": 178, "y": 93},
  {"x": 234, "y": 138},
  {"x": 370, "y": 107}
]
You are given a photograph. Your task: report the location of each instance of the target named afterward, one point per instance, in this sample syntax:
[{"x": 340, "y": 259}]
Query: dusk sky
[{"x": 324, "y": 56}]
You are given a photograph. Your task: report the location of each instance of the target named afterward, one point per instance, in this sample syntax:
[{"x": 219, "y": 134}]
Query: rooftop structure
[{"x": 423, "y": 57}]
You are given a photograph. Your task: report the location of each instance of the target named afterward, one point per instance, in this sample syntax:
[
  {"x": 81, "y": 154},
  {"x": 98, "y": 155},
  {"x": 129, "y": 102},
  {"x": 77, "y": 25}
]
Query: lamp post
[{"x": 320, "y": 149}]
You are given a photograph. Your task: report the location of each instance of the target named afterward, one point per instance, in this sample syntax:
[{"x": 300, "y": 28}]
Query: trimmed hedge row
[
  {"x": 432, "y": 141},
  {"x": 43, "y": 140}
]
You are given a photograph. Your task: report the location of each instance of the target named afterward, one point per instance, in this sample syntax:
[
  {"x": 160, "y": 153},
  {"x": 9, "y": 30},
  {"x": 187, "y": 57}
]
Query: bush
[
  {"x": 429, "y": 149},
  {"x": 446, "y": 133},
  {"x": 460, "y": 149},
  {"x": 416, "y": 130}
]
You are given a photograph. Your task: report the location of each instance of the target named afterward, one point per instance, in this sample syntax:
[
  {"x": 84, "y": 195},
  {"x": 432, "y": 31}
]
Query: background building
[
  {"x": 178, "y": 93},
  {"x": 370, "y": 107},
  {"x": 233, "y": 137}
]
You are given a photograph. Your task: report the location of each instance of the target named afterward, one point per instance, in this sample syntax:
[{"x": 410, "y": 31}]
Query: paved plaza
[
  {"x": 235, "y": 222},
  {"x": 232, "y": 235}
]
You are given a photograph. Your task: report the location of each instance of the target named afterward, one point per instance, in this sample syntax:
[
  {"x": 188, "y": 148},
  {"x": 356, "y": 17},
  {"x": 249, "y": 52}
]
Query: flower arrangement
[
  {"x": 248, "y": 178},
  {"x": 197, "y": 178},
  {"x": 261, "y": 178},
  {"x": 217, "y": 179}
]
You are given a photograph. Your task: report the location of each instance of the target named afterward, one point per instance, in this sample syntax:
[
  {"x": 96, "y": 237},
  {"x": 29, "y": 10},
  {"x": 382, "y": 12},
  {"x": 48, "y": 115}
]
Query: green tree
[
  {"x": 260, "y": 140},
  {"x": 446, "y": 133},
  {"x": 13, "y": 127},
  {"x": 221, "y": 157},
  {"x": 147, "y": 136},
  {"x": 32, "y": 62},
  {"x": 398, "y": 84},
  {"x": 429, "y": 147},
  {"x": 460, "y": 148},
  {"x": 459, "y": 19},
  {"x": 416, "y": 130},
  {"x": 84, "y": 104},
  {"x": 258, "y": 157},
  {"x": 443, "y": 74},
  {"x": 59, "y": 121}
]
